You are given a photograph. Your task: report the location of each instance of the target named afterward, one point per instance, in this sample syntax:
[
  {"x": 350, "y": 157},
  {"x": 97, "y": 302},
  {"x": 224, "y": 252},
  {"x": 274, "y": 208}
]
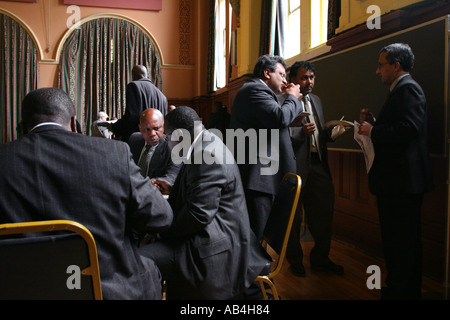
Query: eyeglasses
[{"x": 380, "y": 65}]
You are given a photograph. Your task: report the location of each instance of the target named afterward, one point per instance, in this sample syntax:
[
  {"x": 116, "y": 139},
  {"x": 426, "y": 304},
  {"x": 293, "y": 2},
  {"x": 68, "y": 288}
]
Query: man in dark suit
[
  {"x": 209, "y": 252},
  {"x": 401, "y": 171},
  {"x": 256, "y": 108},
  {"x": 309, "y": 140},
  {"x": 150, "y": 151},
  {"x": 52, "y": 173},
  {"x": 141, "y": 94}
]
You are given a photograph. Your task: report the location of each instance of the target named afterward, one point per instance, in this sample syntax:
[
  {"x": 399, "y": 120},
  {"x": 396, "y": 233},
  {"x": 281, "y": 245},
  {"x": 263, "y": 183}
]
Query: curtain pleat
[
  {"x": 273, "y": 27},
  {"x": 334, "y": 13},
  {"x": 210, "y": 75},
  {"x": 265, "y": 41},
  {"x": 96, "y": 64},
  {"x": 280, "y": 28},
  {"x": 19, "y": 74}
]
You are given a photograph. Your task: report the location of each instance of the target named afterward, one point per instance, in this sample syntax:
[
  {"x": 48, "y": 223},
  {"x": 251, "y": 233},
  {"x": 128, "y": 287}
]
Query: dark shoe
[
  {"x": 297, "y": 270},
  {"x": 329, "y": 267}
]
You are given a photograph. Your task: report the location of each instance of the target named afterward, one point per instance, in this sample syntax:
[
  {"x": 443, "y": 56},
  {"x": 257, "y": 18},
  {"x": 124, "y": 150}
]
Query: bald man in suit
[{"x": 149, "y": 148}]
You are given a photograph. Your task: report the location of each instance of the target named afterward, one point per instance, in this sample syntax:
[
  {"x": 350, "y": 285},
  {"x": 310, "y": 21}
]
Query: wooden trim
[{"x": 390, "y": 23}]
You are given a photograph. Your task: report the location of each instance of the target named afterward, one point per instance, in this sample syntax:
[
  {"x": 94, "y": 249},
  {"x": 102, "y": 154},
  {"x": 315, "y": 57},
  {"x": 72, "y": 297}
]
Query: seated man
[
  {"x": 51, "y": 173},
  {"x": 209, "y": 252},
  {"x": 99, "y": 127},
  {"x": 149, "y": 150}
]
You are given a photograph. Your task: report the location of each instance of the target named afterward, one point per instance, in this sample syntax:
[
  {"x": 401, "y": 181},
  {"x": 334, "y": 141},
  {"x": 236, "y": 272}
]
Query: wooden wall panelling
[{"x": 356, "y": 215}]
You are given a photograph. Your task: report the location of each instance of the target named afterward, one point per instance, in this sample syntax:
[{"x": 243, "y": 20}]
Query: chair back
[{"x": 48, "y": 260}]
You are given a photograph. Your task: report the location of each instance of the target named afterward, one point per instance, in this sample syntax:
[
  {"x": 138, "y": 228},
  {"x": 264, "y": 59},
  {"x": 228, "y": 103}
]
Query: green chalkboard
[{"x": 346, "y": 81}]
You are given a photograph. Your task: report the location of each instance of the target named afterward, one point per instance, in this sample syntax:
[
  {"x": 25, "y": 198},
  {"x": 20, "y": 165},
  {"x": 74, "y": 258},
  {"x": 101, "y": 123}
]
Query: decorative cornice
[{"x": 55, "y": 60}]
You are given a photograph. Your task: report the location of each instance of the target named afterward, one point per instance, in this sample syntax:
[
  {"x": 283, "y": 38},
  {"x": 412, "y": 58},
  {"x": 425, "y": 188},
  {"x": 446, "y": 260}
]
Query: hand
[
  {"x": 337, "y": 131},
  {"x": 293, "y": 89},
  {"x": 365, "y": 128},
  {"x": 365, "y": 115},
  {"x": 309, "y": 128},
  {"x": 162, "y": 185}
]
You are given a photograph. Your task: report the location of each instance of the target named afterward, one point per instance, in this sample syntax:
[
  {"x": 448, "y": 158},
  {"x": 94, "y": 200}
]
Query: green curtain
[
  {"x": 96, "y": 63},
  {"x": 273, "y": 27},
  {"x": 19, "y": 74}
]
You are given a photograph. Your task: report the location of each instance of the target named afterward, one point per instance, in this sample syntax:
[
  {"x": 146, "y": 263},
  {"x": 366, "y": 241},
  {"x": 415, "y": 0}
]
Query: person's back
[
  {"x": 140, "y": 94},
  {"x": 52, "y": 173}
]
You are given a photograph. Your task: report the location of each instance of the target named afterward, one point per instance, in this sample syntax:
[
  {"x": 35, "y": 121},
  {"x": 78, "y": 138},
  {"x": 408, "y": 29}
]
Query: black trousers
[
  {"x": 400, "y": 224},
  {"x": 317, "y": 198},
  {"x": 259, "y": 205}
]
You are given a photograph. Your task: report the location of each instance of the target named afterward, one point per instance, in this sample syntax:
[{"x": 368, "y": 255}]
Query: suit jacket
[
  {"x": 302, "y": 143},
  {"x": 52, "y": 173},
  {"x": 140, "y": 95},
  {"x": 219, "y": 254},
  {"x": 161, "y": 165},
  {"x": 401, "y": 163},
  {"x": 99, "y": 131},
  {"x": 257, "y": 107}
]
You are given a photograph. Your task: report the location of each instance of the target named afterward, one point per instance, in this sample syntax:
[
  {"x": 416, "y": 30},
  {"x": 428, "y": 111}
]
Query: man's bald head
[
  {"x": 151, "y": 125},
  {"x": 139, "y": 72}
]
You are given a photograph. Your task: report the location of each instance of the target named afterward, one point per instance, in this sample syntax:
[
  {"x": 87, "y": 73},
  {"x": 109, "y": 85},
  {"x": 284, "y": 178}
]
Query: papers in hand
[
  {"x": 298, "y": 121},
  {"x": 338, "y": 127},
  {"x": 366, "y": 145},
  {"x": 344, "y": 123}
]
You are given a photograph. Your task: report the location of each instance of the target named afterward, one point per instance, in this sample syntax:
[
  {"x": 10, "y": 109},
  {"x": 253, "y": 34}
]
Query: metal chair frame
[{"x": 281, "y": 256}]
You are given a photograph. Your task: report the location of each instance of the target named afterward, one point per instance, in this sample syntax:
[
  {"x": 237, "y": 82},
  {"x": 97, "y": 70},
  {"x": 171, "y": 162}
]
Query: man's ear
[
  {"x": 267, "y": 74},
  {"x": 398, "y": 66},
  {"x": 73, "y": 124}
]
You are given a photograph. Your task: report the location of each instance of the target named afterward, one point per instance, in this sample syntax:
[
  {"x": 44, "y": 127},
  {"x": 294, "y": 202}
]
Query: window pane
[
  {"x": 220, "y": 54},
  {"x": 293, "y": 4},
  {"x": 319, "y": 16},
  {"x": 292, "y": 44}
]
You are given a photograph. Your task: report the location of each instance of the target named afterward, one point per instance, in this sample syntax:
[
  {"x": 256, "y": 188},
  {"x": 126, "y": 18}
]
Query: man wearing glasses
[{"x": 401, "y": 172}]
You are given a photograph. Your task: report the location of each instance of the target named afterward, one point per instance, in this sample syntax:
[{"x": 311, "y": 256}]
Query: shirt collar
[
  {"x": 396, "y": 81},
  {"x": 45, "y": 124}
]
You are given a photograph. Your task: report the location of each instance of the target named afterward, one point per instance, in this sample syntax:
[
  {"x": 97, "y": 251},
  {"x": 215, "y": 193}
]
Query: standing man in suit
[
  {"x": 309, "y": 140},
  {"x": 255, "y": 108},
  {"x": 401, "y": 171},
  {"x": 209, "y": 252},
  {"x": 52, "y": 173},
  {"x": 141, "y": 94},
  {"x": 150, "y": 151}
]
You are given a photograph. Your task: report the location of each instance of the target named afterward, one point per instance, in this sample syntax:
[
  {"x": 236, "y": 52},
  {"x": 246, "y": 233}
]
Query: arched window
[
  {"x": 96, "y": 62},
  {"x": 19, "y": 73}
]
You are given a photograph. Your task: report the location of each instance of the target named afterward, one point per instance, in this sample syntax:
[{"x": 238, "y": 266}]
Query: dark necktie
[{"x": 145, "y": 160}]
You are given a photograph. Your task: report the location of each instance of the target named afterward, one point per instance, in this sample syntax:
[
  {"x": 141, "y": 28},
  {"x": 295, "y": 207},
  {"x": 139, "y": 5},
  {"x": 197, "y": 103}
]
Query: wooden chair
[
  {"x": 58, "y": 262},
  {"x": 278, "y": 228}
]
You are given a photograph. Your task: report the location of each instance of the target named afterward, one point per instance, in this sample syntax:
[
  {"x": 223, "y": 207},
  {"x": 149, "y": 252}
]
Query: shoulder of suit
[
  {"x": 314, "y": 96},
  {"x": 135, "y": 139},
  {"x": 408, "y": 81}
]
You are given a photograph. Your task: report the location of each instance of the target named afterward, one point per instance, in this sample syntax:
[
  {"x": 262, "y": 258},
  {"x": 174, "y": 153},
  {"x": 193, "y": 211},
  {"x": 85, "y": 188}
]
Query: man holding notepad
[{"x": 309, "y": 137}]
